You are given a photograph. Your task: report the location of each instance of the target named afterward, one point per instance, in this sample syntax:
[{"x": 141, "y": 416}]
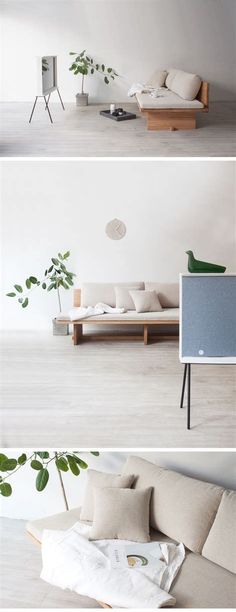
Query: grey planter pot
[
  {"x": 81, "y": 99},
  {"x": 59, "y": 329}
]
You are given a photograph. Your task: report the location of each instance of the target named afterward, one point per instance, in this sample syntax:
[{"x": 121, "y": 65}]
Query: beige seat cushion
[
  {"x": 166, "y": 100},
  {"x": 220, "y": 546},
  {"x": 146, "y": 301},
  {"x": 157, "y": 79},
  {"x": 181, "y": 507},
  {"x": 121, "y": 514},
  {"x": 96, "y": 479},
  {"x": 92, "y": 293},
  {"x": 168, "y": 293},
  {"x": 62, "y": 520},
  {"x": 163, "y": 315}
]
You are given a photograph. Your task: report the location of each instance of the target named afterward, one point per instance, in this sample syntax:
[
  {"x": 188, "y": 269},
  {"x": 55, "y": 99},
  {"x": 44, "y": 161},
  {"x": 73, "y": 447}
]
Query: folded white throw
[
  {"x": 142, "y": 88},
  {"x": 82, "y": 312},
  {"x": 71, "y": 561}
]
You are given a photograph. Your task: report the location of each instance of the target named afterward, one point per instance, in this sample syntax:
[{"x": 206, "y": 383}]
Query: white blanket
[
  {"x": 82, "y": 312},
  {"x": 142, "y": 88},
  {"x": 71, "y": 561}
]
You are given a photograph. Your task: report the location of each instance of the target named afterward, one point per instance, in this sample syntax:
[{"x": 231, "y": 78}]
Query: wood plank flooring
[
  {"x": 20, "y": 566},
  {"x": 83, "y": 132},
  {"x": 109, "y": 394}
]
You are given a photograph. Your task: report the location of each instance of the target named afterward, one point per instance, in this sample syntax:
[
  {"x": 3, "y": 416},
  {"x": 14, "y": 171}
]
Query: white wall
[
  {"x": 168, "y": 207},
  {"x": 27, "y": 503},
  {"x": 133, "y": 36}
]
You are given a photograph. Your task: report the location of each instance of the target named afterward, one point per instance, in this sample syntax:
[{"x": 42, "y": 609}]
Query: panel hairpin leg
[
  {"x": 189, "y": 396},
  {"x": 47, "y": 108},
  {"x": 60, "y": 98},
  {"x": 48, "y": 101},
  {"x": 32, "y": 112},
  {"x": 183, "y": 386}
]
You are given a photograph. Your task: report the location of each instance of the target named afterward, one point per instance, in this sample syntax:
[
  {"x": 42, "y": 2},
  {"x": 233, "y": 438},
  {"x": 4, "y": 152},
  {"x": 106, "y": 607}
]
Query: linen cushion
[
  {"x": 123, "y": 298},
  {"x": 220, "y": 546},
  {"x": 157, "y": 79},
  {"x": 62, "y": 520},
  {"x": 92, "y": 293},
  {"x": 101, "y": 480},
  {"x": 121, "y": 514},
  {"x": 146, "y": 301},
  {"x": 181, "y": 507},
  {"x": 166, "y": 99},
  {"x": 170, "y": 76},
  {"x": 184, "y": 84},
  {"x": 168, "y": 293}
]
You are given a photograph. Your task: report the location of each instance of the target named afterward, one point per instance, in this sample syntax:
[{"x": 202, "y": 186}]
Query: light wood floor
[
  {"x": 83, "y": 132},
  {"x": 20, "y": 566},
  {"x": 109, "y": 394}
]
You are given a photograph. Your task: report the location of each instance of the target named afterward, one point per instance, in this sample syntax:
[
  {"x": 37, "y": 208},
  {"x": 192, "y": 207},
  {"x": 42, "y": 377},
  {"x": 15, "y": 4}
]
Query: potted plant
[
  {"x": 39, "y": 461},
  {"x": 84, "y": 64},
  {"x": 56, "y": 277}
]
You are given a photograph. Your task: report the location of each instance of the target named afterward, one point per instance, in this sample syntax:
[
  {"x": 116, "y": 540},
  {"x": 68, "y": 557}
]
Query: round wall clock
[{"x": 115, "y": 229}]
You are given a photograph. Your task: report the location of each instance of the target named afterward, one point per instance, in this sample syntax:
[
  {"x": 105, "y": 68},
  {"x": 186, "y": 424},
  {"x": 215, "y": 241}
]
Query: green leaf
[
  {"x": 12, "y": 294},
  {"x": 72, "y": 53},
  {"x": 25, "y": 303},
  {"x": 18, "y": 288},
  {"x": 2, "y": 458},
  {"x": 73, "y": 465},
  {"x": 43, "y": 454},
  {"x": 42, "y": 479},
  {"x": 81, "y": 463},
  {"x": 69, "y": 281},
  {"x": 36, "y": 465},
  {"x": 60, "y": 256},
  {"x": 95, "y": 453},
  {"x": 22, "y": 459},
  {"x": 5, "y": 489},
  {"x": 97, "y": 66},
  {"x": 33, "y": 280},
  {"x": 103, "y": 67},
  {"x": 62, "y": 464},
  {"x": 44, "y": 286},
  {"x": 106, "y": 80},
  {"x": 92, "y": 70},
  {"x": 8, "y": 465},
  {"x": 109, "y": 69},
  {"x": 50, "y": 269},
  {"x": 28, "y": 283},
  {"x": 52, "y": 286},
  {"x": 45, "y": 273},
  {"x": 55, "y": 261},
  {"x": 66, "y": 255}
]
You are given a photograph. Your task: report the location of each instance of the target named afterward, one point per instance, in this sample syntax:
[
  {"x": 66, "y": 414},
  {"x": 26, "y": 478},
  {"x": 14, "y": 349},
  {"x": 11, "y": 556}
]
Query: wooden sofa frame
[
  {"x": 78, "y": 336},
  {"x": 176, "y": 118}
]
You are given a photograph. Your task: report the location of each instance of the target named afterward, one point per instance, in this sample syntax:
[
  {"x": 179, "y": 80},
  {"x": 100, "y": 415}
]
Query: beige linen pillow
[
  {"x": 157, "y": 79},
  {"x": 220, "y": 545},
  {"x": 123, "y": 297},
  {"x": 101, "y": 480},
  {"x": 121, "y": 514},
  {"x": 146, "y": 301}
]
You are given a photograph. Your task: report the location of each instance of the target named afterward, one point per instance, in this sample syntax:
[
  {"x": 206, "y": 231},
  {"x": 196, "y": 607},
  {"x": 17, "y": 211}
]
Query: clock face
[{"x": 115, "y": 229}]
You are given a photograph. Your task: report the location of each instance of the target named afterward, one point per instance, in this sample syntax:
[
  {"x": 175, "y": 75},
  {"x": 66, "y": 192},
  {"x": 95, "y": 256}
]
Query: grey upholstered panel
[{"x": 208, "y": 316}]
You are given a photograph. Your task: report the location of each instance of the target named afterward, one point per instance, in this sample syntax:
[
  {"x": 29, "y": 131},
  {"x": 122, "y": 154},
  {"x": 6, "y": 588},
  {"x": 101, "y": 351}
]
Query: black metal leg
[
  {"x": 60, "y": 98},
  {"x": 32, "y": 112},
  {"x": 189, "y": 395},
  {"x": 48, "y": 101},
  {"x": 183, "y": 386},
  {"x": 47, "y": 107}
]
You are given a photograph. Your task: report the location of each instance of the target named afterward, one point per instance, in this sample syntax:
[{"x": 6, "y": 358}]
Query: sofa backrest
[
  {"x": 220, "y": 545},
  {"x": 182, "y": 508},
  {"x": 92, "y": 293},
  {"x": 168, "y": 293},
  {"x": 184, "y": 84}
]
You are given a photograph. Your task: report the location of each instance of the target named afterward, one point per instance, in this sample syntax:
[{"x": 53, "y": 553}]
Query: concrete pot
[
  {"x": 81, "y": 99},
  {"x": 59, "y": 329}
]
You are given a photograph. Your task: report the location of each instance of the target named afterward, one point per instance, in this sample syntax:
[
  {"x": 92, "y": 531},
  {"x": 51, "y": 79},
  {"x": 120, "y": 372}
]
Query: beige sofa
[
  {"x": 92, "y": 293},
  {"x": 183, "y": 95},
  {"x": 183, "y": 509}
]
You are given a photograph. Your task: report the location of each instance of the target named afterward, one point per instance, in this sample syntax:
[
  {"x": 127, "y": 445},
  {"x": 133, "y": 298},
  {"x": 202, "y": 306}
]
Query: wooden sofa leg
[
  {"x": 145, "y": 334},
  {"x": 77, "y": 334}
]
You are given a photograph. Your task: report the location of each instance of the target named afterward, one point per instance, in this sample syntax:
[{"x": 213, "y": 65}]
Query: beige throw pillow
[
  {"x": 157, "y": 79},
  {"x": 220, "y": 545},
  {"x": 101, "y": 480},
  {"x": 121, "y": 514},
  {"x": 123, "y": 297},
  {"x": 146, "y": 301}
]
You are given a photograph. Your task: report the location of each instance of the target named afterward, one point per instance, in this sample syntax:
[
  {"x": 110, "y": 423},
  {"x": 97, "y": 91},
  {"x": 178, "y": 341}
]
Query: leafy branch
[
  {"x": 39, "y": 461},
  {"x": 55, "y": 277},
  {"x": 84, "y": 64}
]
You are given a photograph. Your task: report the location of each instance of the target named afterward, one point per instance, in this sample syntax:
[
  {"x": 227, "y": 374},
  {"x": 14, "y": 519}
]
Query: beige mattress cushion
[
  {"x": 184, "y": 84},
  {"x": 96, "y": 479},
  {"x": 220, "y": 546},
  {"x": 92, "y": 293},
  {"x": 157, "y": 79},
  {"x": 168, "y": 293},
  {"x": 183, "y": 508},
  {"x": 168, "y": 314},
  {"x": 166, "y": 100},
  {"x": 62, "y": 520},
  {"x": 121, "y": 514}
]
